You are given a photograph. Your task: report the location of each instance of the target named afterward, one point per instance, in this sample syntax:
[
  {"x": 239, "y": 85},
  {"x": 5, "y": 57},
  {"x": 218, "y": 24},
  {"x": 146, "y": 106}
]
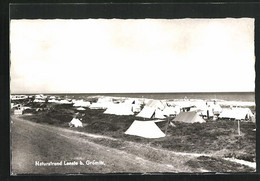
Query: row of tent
[
  {"x": 148, "y": 129},
  {"x": 156, "y": 109}
]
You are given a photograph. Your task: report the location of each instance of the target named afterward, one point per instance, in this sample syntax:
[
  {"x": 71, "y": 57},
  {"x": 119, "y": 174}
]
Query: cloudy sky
[{"x": 146, "y": 55}]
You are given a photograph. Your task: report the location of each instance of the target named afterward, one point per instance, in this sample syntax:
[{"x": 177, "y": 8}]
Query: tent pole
[
  {"x": 167, "y": 124},
  {"x": 238, "y": 127}
]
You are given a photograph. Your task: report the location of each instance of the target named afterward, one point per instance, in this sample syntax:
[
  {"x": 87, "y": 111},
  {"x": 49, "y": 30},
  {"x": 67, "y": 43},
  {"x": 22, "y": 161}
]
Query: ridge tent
[
  {"x": 151, "y": 112},
  {"x": 156, "y": 104},
  {"x": 159, "y": 114},
  {"x": 146, "y": 129},
  {"x": 152, "y": 109},
  {"x": 189, "y": 117},
  {"x": 147, "y": 112},
  {"x": 75, "y": 123},
  {"x": 119, "y": 109}
]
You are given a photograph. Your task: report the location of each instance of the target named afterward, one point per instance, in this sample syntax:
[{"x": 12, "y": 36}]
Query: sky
[{"x": 131, "y": 56}]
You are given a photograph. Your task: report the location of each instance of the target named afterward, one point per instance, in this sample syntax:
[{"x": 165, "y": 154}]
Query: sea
[{"x": 226, "y": 96}]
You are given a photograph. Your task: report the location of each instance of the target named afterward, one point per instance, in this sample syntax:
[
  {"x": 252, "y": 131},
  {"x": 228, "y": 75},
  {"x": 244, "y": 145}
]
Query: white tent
[
  {"x": 168, "y": 111},
  {"x": 99, "y": 105},
  {"x": 236, "y": 113},
  {"x": 52, "y": 97},
  {"x": 75, "y": 123},
  {"x": 65, "y": 102},
  {"x": 189, "y": 117},
  {"x": 81, "y": 103},
  {"x": 81, "y": 109},
  {"x": 38, "y": 100},
  {"x": 136, "y": 107},
  {"x": 206, "y": 112},
  {"x": 53, "y": 101},
  {"x": 146, "y": 129},
  {"x": 119, "y": 109},
  {"x": 216, "y": 108},
  {"x": 158, "y": 114},
  {"x": 104, "y": 99},
  {"x": 151, "y": 112},
  {"x": 155, "y": 104}
]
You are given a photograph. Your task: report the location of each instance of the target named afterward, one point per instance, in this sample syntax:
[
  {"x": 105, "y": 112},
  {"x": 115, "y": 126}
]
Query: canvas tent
[
  {"x": 189, "y": 117},
  {"x": 151, "y": 112},
  {"x": 75, "y": 123},
  {"x": 64, "y": 101},
  {"x": 236, "y": 113},
  {"x": 156, "y": 104},
  {"x": 152, "y": 109},
  {"x": 215, "y": 107},
  {"x": 99, "y": 105},
  {"x": 169, "y": 111},
  {"x": 81, "y": 103},
  {"x": 146, "y": 129},
  {"x": 205, "y": 113},
  {"x": 81, "y": 109},
  {"x": 119, "y": 109},
  {"x": 102, "y": 103}
]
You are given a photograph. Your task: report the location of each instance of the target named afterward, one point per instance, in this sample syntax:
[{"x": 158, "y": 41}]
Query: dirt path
[{"x": 33, "y": 142}]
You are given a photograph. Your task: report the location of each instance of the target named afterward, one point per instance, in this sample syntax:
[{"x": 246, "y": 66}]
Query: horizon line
[{"x": 138, "y": 92}]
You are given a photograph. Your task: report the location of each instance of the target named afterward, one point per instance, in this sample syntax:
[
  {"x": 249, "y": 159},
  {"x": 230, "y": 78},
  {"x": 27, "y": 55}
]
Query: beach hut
[
  {"x": 189, "y": 117},
  {"x": 119, "y": 109},
  {"x": 146, "y": 129},
  {"x": 75, "y": 123}
]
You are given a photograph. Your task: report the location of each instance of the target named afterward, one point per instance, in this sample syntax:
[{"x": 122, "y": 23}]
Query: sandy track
[{"x": 37, "y": 142}]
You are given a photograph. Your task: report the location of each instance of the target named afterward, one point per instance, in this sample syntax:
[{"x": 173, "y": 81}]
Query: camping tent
[
  {"x": 119, "y": 109},
  {"x": 151, "y": 112},
  {"x": 146, "y": 129},
  {"x": 156, "y": 104},
  {"x": 99, "y": 105},
  {"x": 236, "y": 113},
  {"x": 64, "y": 101},
  {"x": 81, "y": 109},
  {"x": 75, "y": 123},
  {"x": 152, "y": 109},
  {"x": 81, "y": 103},
  {"x": 189, "y": 117},
  {"x": 168, "y": 111}
]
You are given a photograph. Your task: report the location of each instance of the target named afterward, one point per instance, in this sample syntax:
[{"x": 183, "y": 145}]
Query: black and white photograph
[{"x": 96, "y": 95}]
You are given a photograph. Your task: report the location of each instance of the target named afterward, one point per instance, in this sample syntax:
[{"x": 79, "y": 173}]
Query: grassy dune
[{"x": 219, "y": 138}]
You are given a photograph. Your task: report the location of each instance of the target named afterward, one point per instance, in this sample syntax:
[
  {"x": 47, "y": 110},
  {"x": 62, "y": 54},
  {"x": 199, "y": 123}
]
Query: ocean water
[{"x": 230, "y": 96}]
